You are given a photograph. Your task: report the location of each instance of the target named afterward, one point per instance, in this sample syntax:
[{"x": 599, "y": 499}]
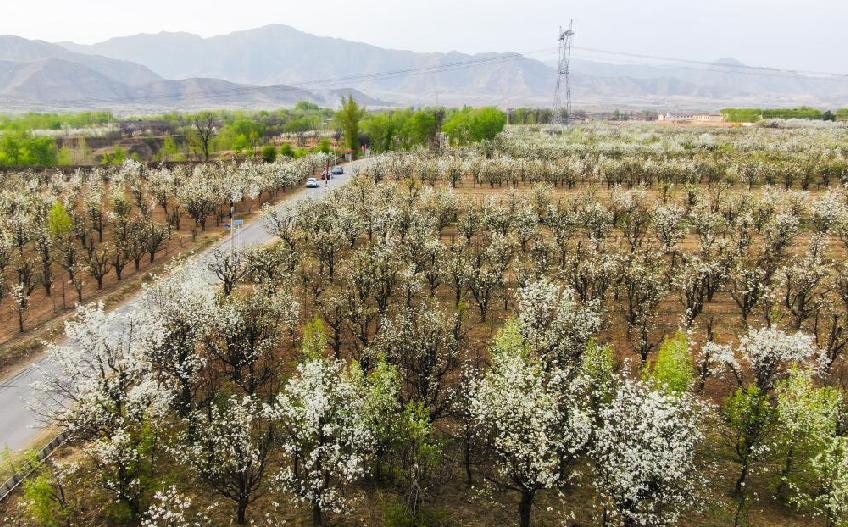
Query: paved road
[{"x": 19, "y": 426}]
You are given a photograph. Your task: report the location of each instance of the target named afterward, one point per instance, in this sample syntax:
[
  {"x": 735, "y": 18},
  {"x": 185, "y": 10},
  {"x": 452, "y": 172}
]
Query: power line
[
  {"x": 753, "y": 71},
  {"x": 302, "y": 86},
  {"x": 562, "y": 95},
  {"x": 713, "y": 64},
  {"x": 331, "y": 82}
]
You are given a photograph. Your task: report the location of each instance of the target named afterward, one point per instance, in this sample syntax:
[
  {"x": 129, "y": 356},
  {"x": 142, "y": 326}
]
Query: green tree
[
  {"x": 306, "y": 106},
  {"x": 302, "y": 124},
  {"x": 829, "y": 471},
  {"x": 45, "y": 499},
  {"x": 241, "y": 134},
  {"x": 59, "y": 221},
  {"x": 286, "y": 150},
  {"x": 348, "y": 119},
  {"x": 269, "y": 153},
  {"x": 116, "y": 157},
  {"x": 201, "y": 132},
  {"x": 807, "y": 418},
  {"x": 471, "y": 125},
  {"x": 71, "y": 154},
  {"x": 315, "y": 339},
  {"x": 325, "y": 146},
  {"x": 742, "y": 115},
  {"x": 381, "y": 129},
  {"x": 170, "y": 150},
  {"x": 672, "y": 371},
  {"x": 416, "y": 456},
  {"x": 66, "y": 156},
  {"x": 422, "y": 127},
  {"x": 599, "y": 369},
  {"x": 749, "y": 422},
  {"x": 24, "y": 149}
]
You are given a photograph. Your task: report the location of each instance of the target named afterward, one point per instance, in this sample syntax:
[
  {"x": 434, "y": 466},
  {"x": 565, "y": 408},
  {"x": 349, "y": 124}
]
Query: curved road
[{"x": 19, "y": 426}]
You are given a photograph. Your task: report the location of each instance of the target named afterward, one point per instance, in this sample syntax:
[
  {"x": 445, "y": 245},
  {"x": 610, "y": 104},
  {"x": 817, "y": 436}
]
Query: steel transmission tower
[{"x": 562, "y": 97}]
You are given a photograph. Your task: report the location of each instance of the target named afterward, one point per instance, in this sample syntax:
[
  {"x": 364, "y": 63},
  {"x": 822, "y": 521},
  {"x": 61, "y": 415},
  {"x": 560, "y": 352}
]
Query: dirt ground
[
  {"x": 46, "y": 313},
  {"x": 456, "y": 504}
]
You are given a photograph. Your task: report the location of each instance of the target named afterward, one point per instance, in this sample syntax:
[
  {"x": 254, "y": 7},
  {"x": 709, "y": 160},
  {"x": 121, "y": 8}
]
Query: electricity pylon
[{"x": 562, "y": 96}]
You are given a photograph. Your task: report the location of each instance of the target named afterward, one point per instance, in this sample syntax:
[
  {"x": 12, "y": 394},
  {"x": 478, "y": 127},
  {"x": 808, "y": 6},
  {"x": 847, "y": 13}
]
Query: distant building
[
  {"x": 686, "y": 117},
  {"x": 708, "y": 117}
]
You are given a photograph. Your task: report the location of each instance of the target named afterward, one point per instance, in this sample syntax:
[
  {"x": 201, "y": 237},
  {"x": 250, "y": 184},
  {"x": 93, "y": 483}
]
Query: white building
[{"x": 691, "y": 117}]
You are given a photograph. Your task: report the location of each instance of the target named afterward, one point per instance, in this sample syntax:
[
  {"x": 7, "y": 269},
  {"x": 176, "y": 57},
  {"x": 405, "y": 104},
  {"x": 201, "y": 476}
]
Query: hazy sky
[{"x": 799, "y": 34}]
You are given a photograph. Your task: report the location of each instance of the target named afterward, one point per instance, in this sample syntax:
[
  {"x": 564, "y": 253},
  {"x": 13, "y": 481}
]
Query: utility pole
[
  {"x": 232, "y": 225},
  {"x": 562, "y": 95}
]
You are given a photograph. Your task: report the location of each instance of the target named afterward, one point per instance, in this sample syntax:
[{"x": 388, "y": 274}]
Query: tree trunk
[
  {"x": 466, "y": 458},
  {"x": 739, "y": 489},
  {"x": 241, "y": 512},
  {"x": 783, "y": 488},
  {"x": 317, "y": 517},
  {"x": 524, "y": 508}
]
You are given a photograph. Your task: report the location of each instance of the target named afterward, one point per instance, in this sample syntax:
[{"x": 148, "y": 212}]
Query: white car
[{"x": 312, "y": 183}]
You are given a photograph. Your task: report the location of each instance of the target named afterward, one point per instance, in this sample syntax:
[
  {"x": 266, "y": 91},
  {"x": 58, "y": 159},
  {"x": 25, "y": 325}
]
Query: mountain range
[
  {"x": 36, "y": 75},
  {"x": 278, "y": 65}
]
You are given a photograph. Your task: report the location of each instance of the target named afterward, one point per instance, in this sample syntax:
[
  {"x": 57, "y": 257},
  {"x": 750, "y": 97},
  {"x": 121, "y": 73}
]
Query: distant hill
[
  {"x": 21, "y": 50},
  {"x": 278, "y": 65},
  {"x": 54, "y": 80},
  {"x": 280, "y": 54},
  {"x": 38, "y": 75},
  {"x": 726, "y": 82}
]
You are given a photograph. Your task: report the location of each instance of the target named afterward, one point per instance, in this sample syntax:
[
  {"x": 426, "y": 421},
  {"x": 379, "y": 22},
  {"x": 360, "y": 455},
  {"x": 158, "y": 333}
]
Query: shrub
[
  {"x": 672, "y": 371},
  {"x": 269, "y": 153}
]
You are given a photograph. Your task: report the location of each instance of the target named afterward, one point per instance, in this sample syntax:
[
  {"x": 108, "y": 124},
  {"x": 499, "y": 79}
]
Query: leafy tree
[
  {"x": 324, "y": 146},
  {"x": 115, "y": 157},
  {"x": 749, "y": 423},
  {"x": 672, "y": 371},
  {"x": 230, "y": 450},
  {"x": 100, "y": 392},
  {"x": 829, "y": 469},
  {"x": 807, "y": 418},
  {"x": 60, "y": 222},
  {"x": 529, "y": 419},
  {"x": 46, "y": 495},
  {"x": 472, "y": 125},
  {"x": 169, "y": 150},
  {"x": 323, "y": 433},
  {"x": 286, "y": 150},
  {"x": 241, "y": 134},
  {"x": 382, "y": 131},
  {"x": 201, "y": 131},
  {"x": 306, "y": 106},
  {"x": 24, "y": 149},
  {"x": 348, "y": 119},
  {"x": 269, "y": 153},
  {"x": 598, "y": 376},
  {"x": 644, "y": 456}
]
